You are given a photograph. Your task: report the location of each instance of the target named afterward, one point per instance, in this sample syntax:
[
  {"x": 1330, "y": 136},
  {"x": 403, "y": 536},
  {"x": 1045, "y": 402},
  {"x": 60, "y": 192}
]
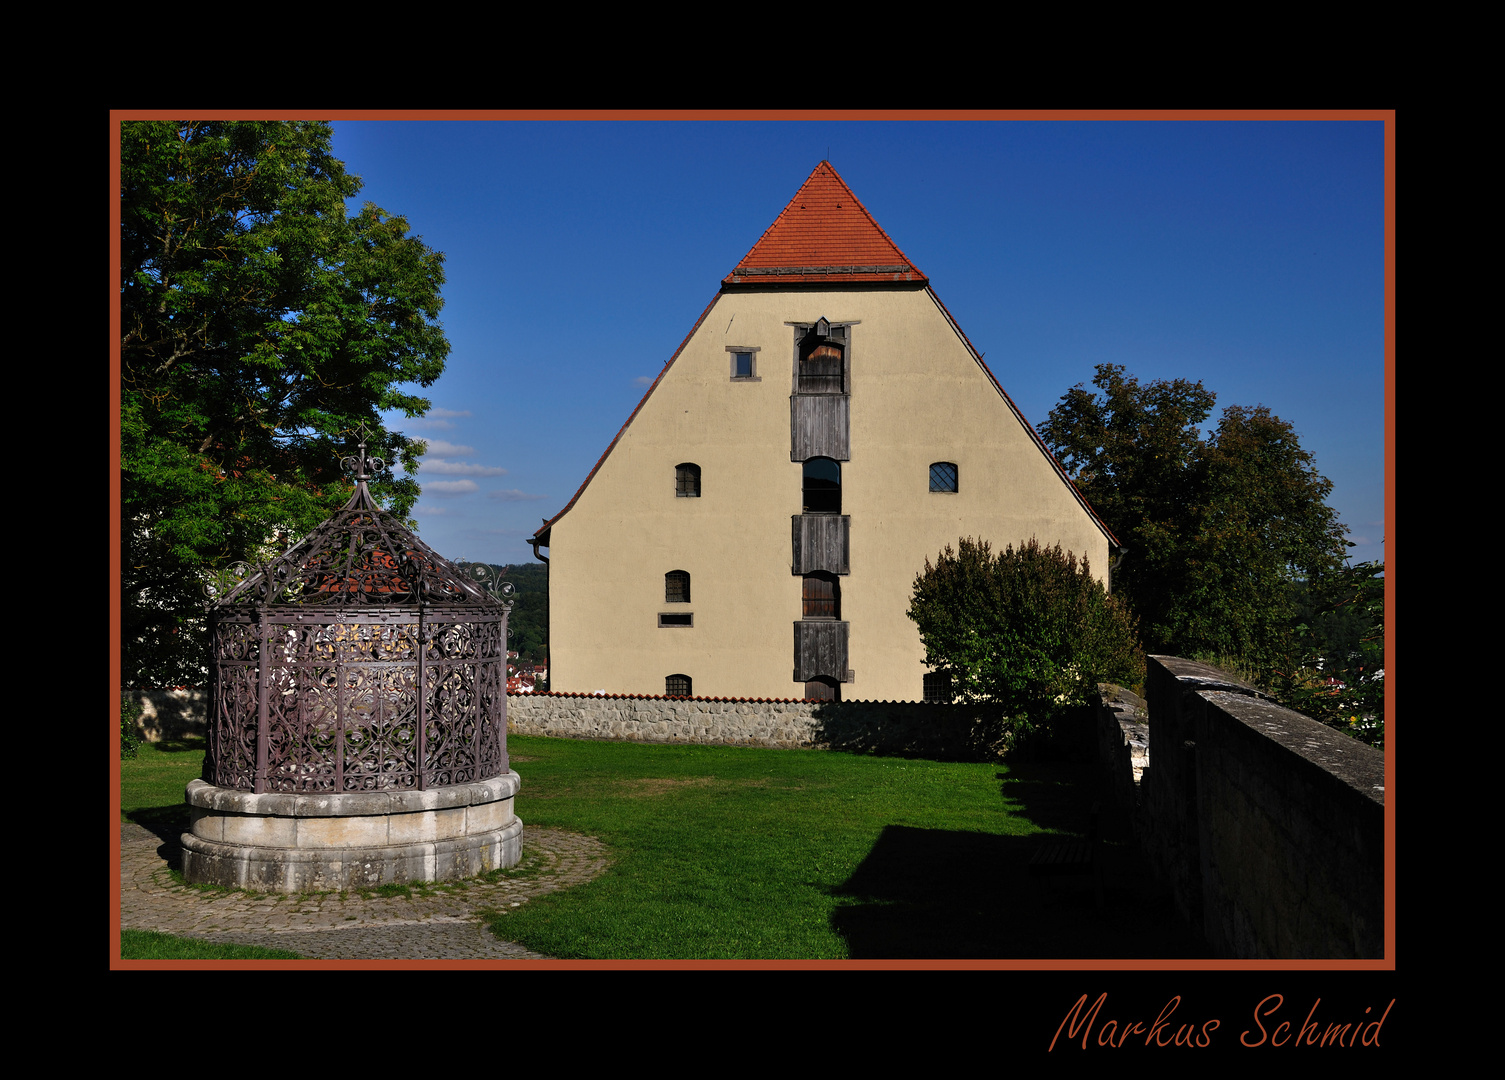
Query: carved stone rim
[{"x": 207, "y": 796}]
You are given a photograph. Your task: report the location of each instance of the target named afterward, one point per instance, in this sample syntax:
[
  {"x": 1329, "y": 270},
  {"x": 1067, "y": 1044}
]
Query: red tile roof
[{"x": 824, "y": 235}]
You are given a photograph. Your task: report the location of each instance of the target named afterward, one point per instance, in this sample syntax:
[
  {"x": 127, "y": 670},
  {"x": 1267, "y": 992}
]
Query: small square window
[
  {"x": 943, "y": 476},
  {"x": 677, "y": 686},
  {"x": 687, "y": 481},
  {"x": 677, "y": 587},
  {"x": 744, "y": 363}
]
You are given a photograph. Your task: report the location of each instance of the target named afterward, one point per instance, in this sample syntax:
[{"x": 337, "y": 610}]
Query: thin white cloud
[
  {"x": 432, "y": 466},
  {"x": 511, "y": 495},
  {"x": 643, "y": 380},
  {"x": 430, "y": 511},
  {"x": 445, "y": 414},
  {"x": 440, "y": 446},
  {"x": 450, "y": 487}
]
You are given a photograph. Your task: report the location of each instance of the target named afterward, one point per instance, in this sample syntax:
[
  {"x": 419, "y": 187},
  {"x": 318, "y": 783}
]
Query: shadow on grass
[{"x": 928, "y": 893}]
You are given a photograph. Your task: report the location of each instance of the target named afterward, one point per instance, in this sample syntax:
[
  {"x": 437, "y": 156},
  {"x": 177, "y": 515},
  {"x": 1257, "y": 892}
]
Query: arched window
[
  {"x": 822, "y": 596},
  {"x": 687, "y": 480},
  {"x": 677, "y": 587},
  {"x": 677, "y": 686},
  {"x": 943, "y": 476},
  {"x": 822, "y": 486}
]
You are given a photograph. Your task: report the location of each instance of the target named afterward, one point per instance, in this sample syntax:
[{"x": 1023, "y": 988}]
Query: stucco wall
[{"x": 917, "y": 396}]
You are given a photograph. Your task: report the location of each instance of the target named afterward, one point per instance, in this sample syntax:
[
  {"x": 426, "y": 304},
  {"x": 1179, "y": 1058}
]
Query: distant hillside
[
  {"x": 530, "y": 610},
  {"x": 529, "y": 622}
]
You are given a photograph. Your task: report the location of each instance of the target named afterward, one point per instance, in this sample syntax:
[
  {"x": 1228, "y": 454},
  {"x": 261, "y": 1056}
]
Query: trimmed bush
[{"x": 1030, "y": 630}]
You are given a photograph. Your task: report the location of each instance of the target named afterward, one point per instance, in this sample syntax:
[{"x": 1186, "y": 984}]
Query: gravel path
[{"x": 441, "y": 922}]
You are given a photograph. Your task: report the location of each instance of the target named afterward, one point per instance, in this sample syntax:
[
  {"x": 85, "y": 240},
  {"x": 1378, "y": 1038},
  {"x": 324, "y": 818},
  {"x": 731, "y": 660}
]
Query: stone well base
[{"x": 302, "y": 843}]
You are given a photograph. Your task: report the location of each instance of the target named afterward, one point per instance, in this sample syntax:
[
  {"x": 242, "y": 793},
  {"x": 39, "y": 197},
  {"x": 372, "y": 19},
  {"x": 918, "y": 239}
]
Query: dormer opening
[{"x": 822, "y": 359}]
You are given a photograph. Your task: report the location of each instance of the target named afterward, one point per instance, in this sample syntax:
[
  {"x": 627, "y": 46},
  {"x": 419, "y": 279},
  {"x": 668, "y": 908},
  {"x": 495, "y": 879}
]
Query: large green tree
[
  {"x": 261, "y": 325},
  {"x": 1218, "y": 527}
]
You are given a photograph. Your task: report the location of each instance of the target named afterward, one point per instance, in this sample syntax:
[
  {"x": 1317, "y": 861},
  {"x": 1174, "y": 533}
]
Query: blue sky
[{"x": 1245, "y": 254}]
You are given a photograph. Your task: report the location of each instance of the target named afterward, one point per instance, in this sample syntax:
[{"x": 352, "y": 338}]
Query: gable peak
[{"x": 824, "y": 235}]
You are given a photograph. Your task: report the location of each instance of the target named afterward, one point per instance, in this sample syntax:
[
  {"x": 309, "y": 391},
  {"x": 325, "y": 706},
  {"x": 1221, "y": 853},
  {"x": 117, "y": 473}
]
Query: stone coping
[
  {"x": 352, "y": 804},
  {"x": 1351, "y": 762}
]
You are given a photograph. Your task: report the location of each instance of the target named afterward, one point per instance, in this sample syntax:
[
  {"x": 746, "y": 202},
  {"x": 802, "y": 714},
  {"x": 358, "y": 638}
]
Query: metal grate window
[
  {"x": 938, "y": 686},
  {"x": 677, "y": 587},
  {"x": 943, "y": 476},
  {"x": 677, "y": 686},
  {"x": 687, "y": 481}
]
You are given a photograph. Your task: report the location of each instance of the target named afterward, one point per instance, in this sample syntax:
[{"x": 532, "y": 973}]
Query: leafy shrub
[
  {"x": 1030, "y": 630},
  {"x": 130, "y": 737}
]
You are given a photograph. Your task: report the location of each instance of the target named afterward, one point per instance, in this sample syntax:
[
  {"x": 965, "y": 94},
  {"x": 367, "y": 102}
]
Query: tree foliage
[
  {"x": 1338, "y": 672},
  {"x": 261, "y": 324},
  {"x": 1218, "y": 527},
  {"x": 1029, "y": 629}
]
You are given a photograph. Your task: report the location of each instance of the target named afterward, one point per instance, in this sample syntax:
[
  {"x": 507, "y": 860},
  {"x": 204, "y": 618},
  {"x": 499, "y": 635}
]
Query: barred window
[
  {"x": 938, "y": 686},
  {"x": 943, "y": 476},
  {"x": 677, "y": 686},
  {"x": 677, "y": 587},
  {"x": 687, "y": 481}
]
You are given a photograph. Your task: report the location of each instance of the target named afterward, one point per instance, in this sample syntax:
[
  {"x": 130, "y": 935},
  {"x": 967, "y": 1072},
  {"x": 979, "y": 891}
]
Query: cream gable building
[{"x": 755, "y": 528}]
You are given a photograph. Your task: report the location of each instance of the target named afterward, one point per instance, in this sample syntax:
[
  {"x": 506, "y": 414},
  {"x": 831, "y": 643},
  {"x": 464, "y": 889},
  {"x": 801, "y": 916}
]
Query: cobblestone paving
[{"x": 439, "y": 922}]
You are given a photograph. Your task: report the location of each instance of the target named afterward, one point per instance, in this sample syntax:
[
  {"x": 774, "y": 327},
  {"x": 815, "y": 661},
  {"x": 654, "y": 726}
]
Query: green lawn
[
  {"x": 724, "y": 852},
  {"x": 151, "y": 786},
  {"x": 154, "y": 945}
]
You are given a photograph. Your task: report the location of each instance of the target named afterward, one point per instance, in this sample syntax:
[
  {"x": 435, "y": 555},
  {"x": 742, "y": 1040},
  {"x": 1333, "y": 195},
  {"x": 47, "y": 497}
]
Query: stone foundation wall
[
  {"x": 171, "y": 714},
  {"x": 943, "y": 731}
]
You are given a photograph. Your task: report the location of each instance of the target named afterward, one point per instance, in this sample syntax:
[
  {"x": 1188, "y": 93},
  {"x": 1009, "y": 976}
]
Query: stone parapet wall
[{"x": 1269, "y": 826}]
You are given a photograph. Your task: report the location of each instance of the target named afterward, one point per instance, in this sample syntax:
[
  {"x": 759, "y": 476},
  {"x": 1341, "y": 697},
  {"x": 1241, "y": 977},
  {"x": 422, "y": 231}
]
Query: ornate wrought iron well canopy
[{"x": 360, "y": 660}]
